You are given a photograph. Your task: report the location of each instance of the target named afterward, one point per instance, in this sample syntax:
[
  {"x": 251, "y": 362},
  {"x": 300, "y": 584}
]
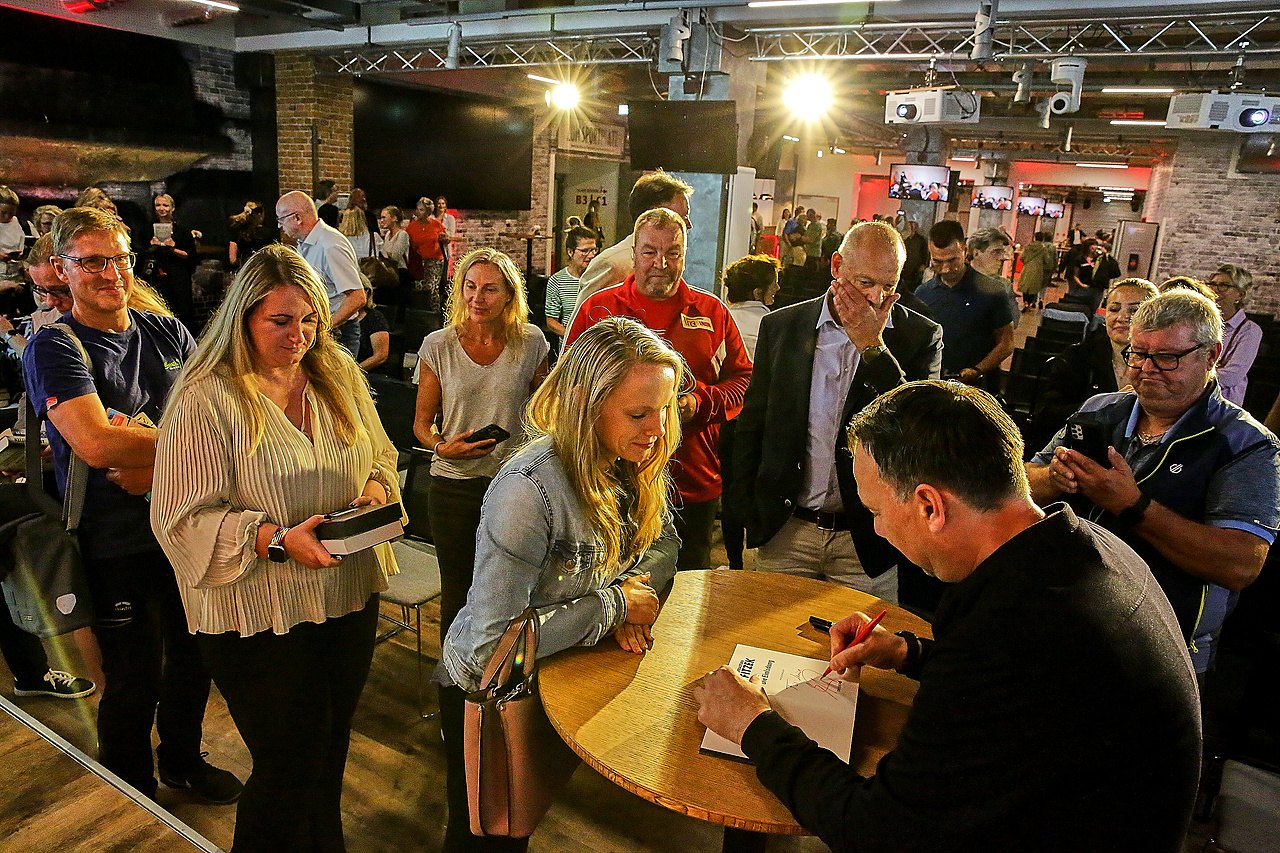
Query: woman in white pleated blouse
[{"x": 270, "y": 427}]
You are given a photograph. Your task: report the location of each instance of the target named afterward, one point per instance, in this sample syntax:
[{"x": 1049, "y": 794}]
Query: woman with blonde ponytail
[{"x": 577, "y": 524}]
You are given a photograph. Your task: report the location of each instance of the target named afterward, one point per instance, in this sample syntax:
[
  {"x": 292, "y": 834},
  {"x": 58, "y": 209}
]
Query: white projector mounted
[
  {"x": 930, "y": 106},
  {"x": 1224, "y": 111}
]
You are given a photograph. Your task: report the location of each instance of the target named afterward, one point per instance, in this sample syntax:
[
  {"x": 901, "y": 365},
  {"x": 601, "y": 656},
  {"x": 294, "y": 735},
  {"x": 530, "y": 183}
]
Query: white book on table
[{"x": 823, "y": 708}]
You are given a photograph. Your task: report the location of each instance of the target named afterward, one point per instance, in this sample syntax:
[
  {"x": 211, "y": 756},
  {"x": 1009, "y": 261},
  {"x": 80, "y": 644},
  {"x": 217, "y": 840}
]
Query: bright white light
[
  {"x": 964, "y": 159},
  {"x": 1139, "y": 122},
  {"x": 808, "y": 96},
  {"x": 836, "y": 149},
  {"x": 790, "y": 138},
  {"x": 226, "y": 7},
  {"x": 1138, "y": 90},
  {"x": 624, "y": 109},
  {"x": 819, "y": 152},
  {"x": 1103, "y": 165},
  {"x": 1117, "y": 189},
  {"x": 564, "y": 96},
  {"x": 542, "y": 79}
]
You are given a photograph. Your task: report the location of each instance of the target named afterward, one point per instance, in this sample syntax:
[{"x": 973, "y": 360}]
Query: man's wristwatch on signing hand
[
  {"x": 275, "y": 548},
  {"x": 1134, "y": 514}
]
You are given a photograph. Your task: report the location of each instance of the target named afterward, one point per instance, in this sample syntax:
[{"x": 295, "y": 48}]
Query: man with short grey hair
[
  {"x": 818, "y": 363},
  {"x": 331, "y": 256},
  {"x": 1186, "y": 478}
]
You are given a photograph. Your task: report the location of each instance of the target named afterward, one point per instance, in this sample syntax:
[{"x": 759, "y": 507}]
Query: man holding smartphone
[{"x": 1192, "y": 482}]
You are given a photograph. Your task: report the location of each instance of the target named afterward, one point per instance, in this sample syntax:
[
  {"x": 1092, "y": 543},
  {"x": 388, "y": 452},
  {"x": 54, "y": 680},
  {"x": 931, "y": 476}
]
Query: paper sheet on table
[{"x": 823, "y": 709}]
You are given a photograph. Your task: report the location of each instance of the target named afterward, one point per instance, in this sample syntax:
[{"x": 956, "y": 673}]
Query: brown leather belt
[{"x": 823, "y": 520}]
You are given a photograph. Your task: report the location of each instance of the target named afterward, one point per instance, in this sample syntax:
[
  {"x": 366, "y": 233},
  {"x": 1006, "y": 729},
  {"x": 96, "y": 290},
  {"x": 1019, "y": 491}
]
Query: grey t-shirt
[{"x": 474, "y": 395}]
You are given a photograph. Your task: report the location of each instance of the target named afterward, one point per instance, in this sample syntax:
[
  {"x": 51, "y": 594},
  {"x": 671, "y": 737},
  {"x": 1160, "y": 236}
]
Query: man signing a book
[{"x": 1057, "y": 706}]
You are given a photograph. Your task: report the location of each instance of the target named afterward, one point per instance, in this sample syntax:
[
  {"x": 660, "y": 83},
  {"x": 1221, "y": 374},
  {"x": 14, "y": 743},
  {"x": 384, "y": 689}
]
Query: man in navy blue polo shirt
[{"x": 973, "y": 310}]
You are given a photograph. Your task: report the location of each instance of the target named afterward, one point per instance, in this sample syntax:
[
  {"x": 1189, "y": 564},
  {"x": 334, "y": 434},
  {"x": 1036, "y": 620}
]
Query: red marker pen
[{"x": 863, "y": 634}]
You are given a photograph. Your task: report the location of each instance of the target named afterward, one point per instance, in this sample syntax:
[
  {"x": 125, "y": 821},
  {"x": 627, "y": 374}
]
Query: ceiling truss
[
  {"x": 597, "y": 50},
  {"x": 1207, "y": 35}
]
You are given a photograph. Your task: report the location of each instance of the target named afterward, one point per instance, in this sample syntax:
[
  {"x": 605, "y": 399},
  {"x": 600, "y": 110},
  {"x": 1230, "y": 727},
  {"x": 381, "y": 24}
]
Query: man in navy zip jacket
[{"x": 1192, "y": 481}]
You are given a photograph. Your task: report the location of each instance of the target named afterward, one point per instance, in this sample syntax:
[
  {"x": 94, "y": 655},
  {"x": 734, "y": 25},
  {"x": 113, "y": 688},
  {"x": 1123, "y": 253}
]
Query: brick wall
[
  {"x": 213, "y": 78},
  {"x": 304, "y": 97},
  {"x": 1209, "y": 215}
]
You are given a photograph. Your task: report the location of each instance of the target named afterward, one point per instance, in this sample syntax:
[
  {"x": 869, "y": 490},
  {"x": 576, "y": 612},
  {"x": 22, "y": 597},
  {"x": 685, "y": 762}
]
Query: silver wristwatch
[{"x": 275, "y": 548}]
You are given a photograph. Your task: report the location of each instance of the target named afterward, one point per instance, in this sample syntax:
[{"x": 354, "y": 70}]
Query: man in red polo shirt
[{"x": 699, "y": 327}]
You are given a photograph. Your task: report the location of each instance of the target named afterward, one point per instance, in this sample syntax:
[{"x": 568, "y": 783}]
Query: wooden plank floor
[{"x": 394, "y": 794}]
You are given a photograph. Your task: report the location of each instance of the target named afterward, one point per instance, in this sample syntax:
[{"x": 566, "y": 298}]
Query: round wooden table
[{"x": 633, "y": 718}]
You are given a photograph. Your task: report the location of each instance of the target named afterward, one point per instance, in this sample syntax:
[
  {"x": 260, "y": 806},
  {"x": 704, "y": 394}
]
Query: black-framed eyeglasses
[
  {"x": 1164, "y": 361},
  {"x": 280, "y": 219},
  {"x": 95, "y": 264},
  {"x": 56, "y": 292}
]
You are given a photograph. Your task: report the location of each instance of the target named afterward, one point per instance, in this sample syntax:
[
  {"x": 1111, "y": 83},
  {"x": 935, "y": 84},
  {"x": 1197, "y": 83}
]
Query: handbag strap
[
  {"x": 500, "y": 665},
  {"x": 77, "y": 469}
]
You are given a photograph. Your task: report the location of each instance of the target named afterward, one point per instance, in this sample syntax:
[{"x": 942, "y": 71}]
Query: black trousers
[
  {"x": 453, "y": 511},
  {"x": 292, "y": 697},
  {"x": 152, "y": 665},
  {"x": 458, "y": 837},
  {"x": 695, "y": 523},
  {"x": 23, "y": 652}
]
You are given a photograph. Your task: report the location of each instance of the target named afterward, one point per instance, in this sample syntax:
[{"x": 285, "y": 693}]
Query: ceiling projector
[
  {"x": 1231, "y": 111},
  {"x": 931, "y": 106}
]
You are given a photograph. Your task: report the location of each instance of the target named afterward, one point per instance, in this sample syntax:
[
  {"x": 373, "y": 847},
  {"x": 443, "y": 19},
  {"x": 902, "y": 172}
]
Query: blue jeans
[{"x": 348, "y": 334}]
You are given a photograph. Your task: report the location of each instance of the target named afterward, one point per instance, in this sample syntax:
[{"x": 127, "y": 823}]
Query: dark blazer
[
  {"x": 764, "y": 479},
  {"x": 1071, "y": 377}
]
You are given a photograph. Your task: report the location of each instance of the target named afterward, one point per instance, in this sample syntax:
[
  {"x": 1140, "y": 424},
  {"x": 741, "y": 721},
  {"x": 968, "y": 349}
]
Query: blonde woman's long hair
[
  {"x": 352, "y": 223},
  {"x": 627, "y": 503},
  {"x": 514, "y": 316},
  {"x": 226, "y": 349}
]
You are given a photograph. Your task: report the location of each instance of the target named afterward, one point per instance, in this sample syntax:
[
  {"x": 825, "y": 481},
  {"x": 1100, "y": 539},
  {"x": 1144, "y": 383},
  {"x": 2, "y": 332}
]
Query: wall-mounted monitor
[
  {"x": 1054, "y": 210},
  {"x": 992, "y": 198},
  {"x": 926, "y": 183},
  {"x": 654, "y": 130},
  {"x": 1031, "y": 205}
]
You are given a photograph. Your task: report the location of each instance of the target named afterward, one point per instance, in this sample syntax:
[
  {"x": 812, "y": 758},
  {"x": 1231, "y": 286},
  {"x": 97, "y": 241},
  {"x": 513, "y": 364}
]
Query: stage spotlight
[
  {"x": 564, "y": 96},
  {"x": 808, "y": 96}
]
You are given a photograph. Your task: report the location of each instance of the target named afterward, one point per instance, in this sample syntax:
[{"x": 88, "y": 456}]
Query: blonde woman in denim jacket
[{"x": 577, "y": 525}]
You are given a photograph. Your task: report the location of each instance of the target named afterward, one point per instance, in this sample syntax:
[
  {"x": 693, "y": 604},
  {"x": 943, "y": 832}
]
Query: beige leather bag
[{"x": 516, "y": 763}]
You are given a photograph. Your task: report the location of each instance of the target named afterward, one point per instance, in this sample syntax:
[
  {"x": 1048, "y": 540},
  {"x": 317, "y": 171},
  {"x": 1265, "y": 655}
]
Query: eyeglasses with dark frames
[
  {"x": 56, "y": 292},
  {"x": 1164, "y": 361},
  {"x": 94, "y": 264},
  {"x": 281, "y": 219}
]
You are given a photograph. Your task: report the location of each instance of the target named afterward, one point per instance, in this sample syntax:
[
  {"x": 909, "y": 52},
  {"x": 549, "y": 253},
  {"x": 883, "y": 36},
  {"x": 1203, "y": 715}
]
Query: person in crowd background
[
  {"x": 249, "y": 233},
  {"x": 427, "y": 239},
  {"x": 1039, "y": 260},
  {"x": 750, "y": 285},
  {"x": 360, "y": 201},
  {"x": 153, "y": 669},
  {"x": 1241, "y": 337},
  {"x": 271, "y": 427},
  {"x": 375, "y": 332},
  {"x": 170, "y": 253},
  {"x": 580, "y": 247},
  {"x": 989, "y": 250},
  {"x": 476, "y": 371},
  {"x": 577, "y": 525},
  {"x": 1002, "y": 746},
  {"x": 352, "y": 225},
  {"x": 325, "y": 198},
  {"x": 701, "y": 329},
  {"x": 1096, "y": 365},
  {"x": 917, "y": 257},
  {"x": 333, "y": 259},
  {"x": 42, "y": 219},
  {"x": 973, "y": 309},
  {"x": 1190, "y": 283},
  {"x": 395, "y": 241}
]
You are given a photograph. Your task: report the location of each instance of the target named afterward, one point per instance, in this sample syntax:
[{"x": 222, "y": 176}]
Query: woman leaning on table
[
  {"x": 577, "y": 525},
  {"x": 478, "y": 370},
  {"x": 270, "y": 427}
]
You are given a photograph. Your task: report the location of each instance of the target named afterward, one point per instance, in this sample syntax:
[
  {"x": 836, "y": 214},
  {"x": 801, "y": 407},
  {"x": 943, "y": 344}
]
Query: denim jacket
[{"x": 535, "y": 547}]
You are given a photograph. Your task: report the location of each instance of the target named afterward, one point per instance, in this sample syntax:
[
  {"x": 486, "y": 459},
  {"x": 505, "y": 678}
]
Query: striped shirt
[
  {"x": 211, "y": 494},
  {"x": 562, "y": 295}
]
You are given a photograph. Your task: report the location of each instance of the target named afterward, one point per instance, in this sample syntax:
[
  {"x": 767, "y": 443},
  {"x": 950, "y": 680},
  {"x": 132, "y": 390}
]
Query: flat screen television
[
  {"x": 925, "y": 183},
  {"x": 414, "y": 142},
  {"x": 992, "y": 198},
  {"x": 1031, "y": 205},
  {"x": 1054, "y": 210},
  {"x": 684, "y": 136}
]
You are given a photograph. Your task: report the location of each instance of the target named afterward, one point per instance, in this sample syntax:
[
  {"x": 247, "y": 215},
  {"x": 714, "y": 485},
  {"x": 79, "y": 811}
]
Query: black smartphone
[
  {"x": 1089, "y": 439},
  {"x": 493, "y": 431}
]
